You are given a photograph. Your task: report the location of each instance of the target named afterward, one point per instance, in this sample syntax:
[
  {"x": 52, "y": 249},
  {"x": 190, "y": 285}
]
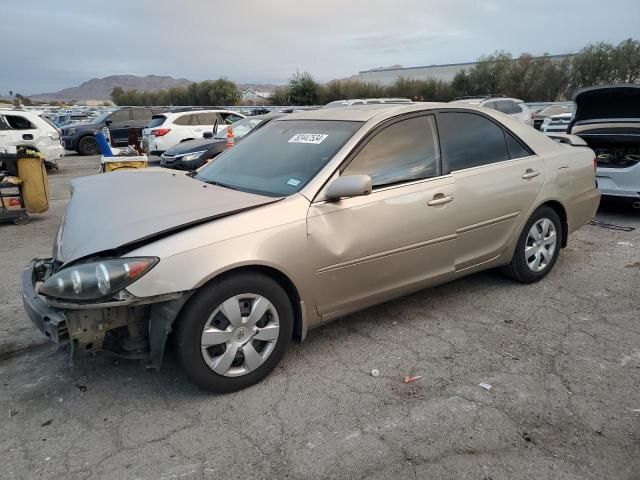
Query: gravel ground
[{"x": 562, "y": 357}]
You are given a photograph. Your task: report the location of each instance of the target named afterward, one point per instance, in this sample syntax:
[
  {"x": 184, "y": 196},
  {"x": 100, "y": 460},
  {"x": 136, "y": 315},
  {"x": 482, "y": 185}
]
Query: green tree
[{"x": 303, "y": 89}]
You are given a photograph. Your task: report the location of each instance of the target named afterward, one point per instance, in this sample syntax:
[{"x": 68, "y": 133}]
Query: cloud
[{"x": 51, "y": 45}]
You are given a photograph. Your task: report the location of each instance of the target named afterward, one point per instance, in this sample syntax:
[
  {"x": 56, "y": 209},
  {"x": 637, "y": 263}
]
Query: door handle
[
  {"x": 440, "y": 199},
  {"x": 27, "y": 136},
  {"x": 529, "y": 173}
]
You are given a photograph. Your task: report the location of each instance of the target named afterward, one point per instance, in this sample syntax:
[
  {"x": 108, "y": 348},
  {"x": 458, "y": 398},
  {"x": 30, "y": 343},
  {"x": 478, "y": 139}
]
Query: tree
[
  {"x": 280, "y": 96},
  {"x": 303, "y": 89}
]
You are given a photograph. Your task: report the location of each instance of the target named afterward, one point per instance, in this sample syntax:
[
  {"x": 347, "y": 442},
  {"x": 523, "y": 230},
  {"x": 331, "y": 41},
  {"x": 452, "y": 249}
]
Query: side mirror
[
  {"x": 207, "y": 135},
  {"x": 349, "y": 186}
]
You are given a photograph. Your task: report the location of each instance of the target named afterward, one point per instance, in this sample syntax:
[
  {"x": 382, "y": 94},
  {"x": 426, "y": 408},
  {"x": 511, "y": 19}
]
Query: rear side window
[
  {"x": 516, "y": 149},
  {"x": 156, "y": 121},
  {"x": 405, "y": 150},
  {"x": 19, "y": 123},
  {"x": 182, "y": 120},
  {"x": 3, "y": 124},
  {"x": 208, "y": 118},
  {"x": 469, "y": 140},
  {"x": 142, "y": 114}
]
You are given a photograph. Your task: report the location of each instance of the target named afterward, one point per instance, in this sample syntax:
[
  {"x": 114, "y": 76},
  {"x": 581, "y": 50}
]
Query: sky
[{"x": 49, "y": 45}]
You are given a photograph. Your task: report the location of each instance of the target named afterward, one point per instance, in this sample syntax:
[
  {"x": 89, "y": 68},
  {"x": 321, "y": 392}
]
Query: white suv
[
  {"x": 22, "y": 127},
  {"x": 511, "y": 106},
  {"x": 168, "y": 129}
]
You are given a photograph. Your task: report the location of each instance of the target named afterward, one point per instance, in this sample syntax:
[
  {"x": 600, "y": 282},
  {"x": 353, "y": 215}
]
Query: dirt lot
[{"x": 562, "y": 356}]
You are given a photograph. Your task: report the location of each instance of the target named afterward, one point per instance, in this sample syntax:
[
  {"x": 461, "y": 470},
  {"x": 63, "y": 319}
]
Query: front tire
[
  {"x": 88, "y": 146},
  {"x": 538, "y": 247},
  {"x": 234, "y": 331}
]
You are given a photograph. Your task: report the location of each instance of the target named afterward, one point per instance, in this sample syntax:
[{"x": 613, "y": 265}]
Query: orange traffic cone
[{"x": 231, "y": 139}]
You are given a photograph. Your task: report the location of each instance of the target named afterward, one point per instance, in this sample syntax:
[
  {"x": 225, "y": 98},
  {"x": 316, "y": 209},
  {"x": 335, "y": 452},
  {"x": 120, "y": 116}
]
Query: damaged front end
[{"x": 124, "y": 325}]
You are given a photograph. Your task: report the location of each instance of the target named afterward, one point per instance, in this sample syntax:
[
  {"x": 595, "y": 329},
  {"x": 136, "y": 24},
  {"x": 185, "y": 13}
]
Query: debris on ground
[
  {"x": 446, "y": 379},
  {"x": 633, "y": 265},
  {"x": 82, "y": 388},
  {"x": 48, "y": 422},
  {"x": 486, "y": 386},
  {"x": 12, "y": 413},
  {"x": 410, "y": 379},
  {"x": 375, "y": 373},
  {"x": 611, "y": 226},
  {"x": 625, "y": 244},
  {"x": 508, "y": 320}
]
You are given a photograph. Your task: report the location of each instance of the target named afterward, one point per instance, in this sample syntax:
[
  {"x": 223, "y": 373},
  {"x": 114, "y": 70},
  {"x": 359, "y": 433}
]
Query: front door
[
  {"x": 400, "y": 237},
  {"x": 119, "y": 123},
  {"x": 497, "y": 181}
]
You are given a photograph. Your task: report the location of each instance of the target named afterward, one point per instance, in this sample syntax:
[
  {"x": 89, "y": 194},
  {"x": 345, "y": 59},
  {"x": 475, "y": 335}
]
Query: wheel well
[
  {"x": 284, "y": 281},
  {"x": 185, "y": 140},
  {"x": 559, "y": 209}
]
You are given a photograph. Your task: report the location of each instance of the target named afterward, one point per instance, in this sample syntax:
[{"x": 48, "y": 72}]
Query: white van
[
  {"x": 168, "y": 129},
  {"x": 21, "y": 127}
]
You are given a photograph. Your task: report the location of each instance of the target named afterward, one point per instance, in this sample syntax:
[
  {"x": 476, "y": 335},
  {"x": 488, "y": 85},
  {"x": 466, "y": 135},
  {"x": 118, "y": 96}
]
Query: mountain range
[{"x": 100, "y": 88}]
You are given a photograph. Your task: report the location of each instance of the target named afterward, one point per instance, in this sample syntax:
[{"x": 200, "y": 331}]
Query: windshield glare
[
  {"x": 240, "y": 128},
  {"x": 279, "y": 158}
]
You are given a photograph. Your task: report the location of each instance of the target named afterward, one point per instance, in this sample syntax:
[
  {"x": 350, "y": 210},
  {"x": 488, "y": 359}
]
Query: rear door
[
  {"x": 497, "y": 181},
  {"x": 5, "y": 134},
  {"x": 396, "y": 239}
]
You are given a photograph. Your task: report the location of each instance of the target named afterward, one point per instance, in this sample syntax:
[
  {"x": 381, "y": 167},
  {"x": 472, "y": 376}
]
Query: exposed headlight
[
  {"x": 191, "y": 156},
  {"x": 96, "y": 280}
]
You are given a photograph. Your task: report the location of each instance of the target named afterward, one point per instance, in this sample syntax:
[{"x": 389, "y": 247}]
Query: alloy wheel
[
  {"x": 240, "y": 335},
  {"x": 540, "y": 245}
]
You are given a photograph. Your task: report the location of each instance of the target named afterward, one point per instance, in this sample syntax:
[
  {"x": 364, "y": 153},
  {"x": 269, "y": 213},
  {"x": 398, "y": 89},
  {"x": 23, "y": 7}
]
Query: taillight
[{"x": 161, "y": 132}]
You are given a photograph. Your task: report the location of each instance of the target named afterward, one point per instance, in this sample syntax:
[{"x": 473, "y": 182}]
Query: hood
[
  {"x": 607, "y": 102},
  {"x": 195, "y": 146},
  {"x": 125, "y": 209}
]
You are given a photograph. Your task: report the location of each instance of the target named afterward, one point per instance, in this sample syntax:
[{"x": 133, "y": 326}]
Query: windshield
[
  {"x": 101, "y": 118},
  {"x": 280, "y": 158},
  {"x": 241, "y": 128}
]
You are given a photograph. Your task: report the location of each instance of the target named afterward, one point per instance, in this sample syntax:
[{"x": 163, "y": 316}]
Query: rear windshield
[
  {"x": 156, "y": 121},
  {"x": 279, "y": 158}
]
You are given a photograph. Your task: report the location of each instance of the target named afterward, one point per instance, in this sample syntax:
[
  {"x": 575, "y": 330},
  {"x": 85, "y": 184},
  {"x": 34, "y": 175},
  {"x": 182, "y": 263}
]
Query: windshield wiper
[{"x": 220, "y": 184}]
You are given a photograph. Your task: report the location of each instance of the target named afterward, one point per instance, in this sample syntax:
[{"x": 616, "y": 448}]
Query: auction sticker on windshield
[{"x": 315, "y": 138}]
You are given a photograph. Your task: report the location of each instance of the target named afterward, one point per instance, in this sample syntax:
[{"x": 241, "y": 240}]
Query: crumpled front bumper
[{"x": 50, "y": 321}]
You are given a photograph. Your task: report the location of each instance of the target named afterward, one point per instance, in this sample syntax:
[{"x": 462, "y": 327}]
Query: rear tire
[
  {"x": 88, "y": 146},
  {"x": 234, "y": 331},
  {"x": 538, "y": 247}
]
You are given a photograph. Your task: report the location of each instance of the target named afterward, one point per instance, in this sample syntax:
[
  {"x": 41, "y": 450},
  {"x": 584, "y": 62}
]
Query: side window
[
  {"x": 405, "y": 150},
  {"x": 119, "y": 116},
  {"x": 182, "y": 120},
  {"x": 142, "y": 115},
  {"x": 19, "y": 123},
  {"x": 208, "y": 118},
  {"x": 469, "y": 140},
  {"x": 193, "y": 121},
  {"x": 516, "y": 149},
  {"x": 230, "y": 118},
  {"x": 3, "y": 124}
]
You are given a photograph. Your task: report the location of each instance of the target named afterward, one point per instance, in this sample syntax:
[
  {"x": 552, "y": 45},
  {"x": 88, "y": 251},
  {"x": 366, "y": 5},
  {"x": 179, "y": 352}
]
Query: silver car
[{"x": 607, "y": 118}]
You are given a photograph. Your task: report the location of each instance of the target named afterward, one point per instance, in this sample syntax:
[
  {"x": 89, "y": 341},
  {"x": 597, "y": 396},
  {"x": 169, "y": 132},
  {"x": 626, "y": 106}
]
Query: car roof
[
  {"x": 363, "y": 113},
  {"x": 205, "y": 110}
]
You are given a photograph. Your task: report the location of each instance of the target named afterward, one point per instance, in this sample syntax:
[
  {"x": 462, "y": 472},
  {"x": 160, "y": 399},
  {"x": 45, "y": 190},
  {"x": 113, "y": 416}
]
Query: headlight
[
  {"x": 191, "y": 156},
  {"x": 96, "y": 280}
]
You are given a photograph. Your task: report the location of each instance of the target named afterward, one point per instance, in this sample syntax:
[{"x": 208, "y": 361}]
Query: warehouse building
[{"x": 386, "y": 76}]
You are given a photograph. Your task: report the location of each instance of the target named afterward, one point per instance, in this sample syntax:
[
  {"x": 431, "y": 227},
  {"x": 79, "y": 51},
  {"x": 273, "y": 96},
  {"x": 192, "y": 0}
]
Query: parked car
[
  {"x": 556, "y": 123},
  {"x": 193, "y": 154},
  {"x": 311, "y": 217},
  {"x": 607, "y": 118},
  {"x": 511, "y": 106},
  {"x": 168, "y": 129},
  {"x": 61, "y": 120},
  {"x": 549, "y": 111},
  {"x": 21, "y": 127},
  {"x": 366, "y": 101},
  {"x": 80, "y": 136}
]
